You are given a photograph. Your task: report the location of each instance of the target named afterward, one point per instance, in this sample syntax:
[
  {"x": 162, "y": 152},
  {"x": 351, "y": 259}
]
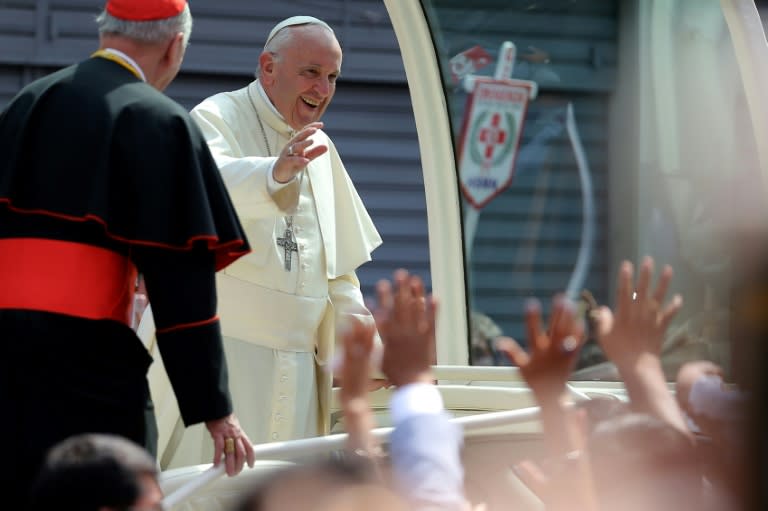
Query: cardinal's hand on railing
[{"x": 230, "y": 440}]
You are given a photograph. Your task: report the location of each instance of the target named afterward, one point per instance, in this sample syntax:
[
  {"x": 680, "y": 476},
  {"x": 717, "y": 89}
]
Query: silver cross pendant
[{"x": 288, "y": 245}]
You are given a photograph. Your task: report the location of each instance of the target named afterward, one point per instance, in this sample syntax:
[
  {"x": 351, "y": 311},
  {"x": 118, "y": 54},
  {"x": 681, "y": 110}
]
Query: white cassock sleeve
[
  {"x": 246, "y": 177},
  {"x": 348, "y": 303}
]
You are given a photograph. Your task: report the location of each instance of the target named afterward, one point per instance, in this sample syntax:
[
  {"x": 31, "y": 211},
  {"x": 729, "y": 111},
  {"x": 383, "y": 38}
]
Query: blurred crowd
[{"x": 692, "y": 445}]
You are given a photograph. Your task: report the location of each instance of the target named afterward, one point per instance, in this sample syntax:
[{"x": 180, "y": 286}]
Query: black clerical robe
[{"x": 101, "y": 177}]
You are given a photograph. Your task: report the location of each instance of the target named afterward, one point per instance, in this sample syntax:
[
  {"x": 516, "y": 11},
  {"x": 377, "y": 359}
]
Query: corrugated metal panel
[
  {"x": 18, "y": 30},
  {"x": 227, "y": 36},
  {"x": 370, "y": 119},
  {"x": 527, "y": 239},
  {"x": 10, "y": 82}
]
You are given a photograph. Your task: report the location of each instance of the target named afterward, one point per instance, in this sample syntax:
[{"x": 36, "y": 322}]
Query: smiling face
[{"x": 300, "y": 76}]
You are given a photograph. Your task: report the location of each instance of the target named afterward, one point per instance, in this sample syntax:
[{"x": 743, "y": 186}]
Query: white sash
[{"x": 266, "y": 317}]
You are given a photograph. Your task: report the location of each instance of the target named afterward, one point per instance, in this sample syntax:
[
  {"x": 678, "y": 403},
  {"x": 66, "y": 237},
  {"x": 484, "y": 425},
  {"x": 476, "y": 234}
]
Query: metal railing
[{"x": 326, "y": 444}]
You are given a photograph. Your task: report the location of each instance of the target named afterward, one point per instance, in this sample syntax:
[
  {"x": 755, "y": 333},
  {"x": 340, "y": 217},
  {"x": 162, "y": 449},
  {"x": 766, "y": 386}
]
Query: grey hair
[
  {"x": 283, "y": 37},
  {"x": 154, "y": 31}
]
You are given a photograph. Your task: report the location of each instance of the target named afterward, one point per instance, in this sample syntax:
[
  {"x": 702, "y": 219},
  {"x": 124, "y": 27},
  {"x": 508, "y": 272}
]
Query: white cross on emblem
[{"x": 492, "y": 135}]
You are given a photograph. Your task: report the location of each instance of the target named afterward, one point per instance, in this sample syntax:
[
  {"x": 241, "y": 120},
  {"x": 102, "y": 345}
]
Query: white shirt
[{"x": 414, "y": 399}]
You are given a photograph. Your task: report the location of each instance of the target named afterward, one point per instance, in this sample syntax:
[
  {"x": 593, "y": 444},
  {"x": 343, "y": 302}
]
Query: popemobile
[{"x": 554, "y": 140}]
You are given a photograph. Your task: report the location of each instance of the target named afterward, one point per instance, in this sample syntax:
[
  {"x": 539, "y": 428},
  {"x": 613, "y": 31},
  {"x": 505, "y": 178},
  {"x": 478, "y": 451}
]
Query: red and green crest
[{"x": 490, "y": 138}]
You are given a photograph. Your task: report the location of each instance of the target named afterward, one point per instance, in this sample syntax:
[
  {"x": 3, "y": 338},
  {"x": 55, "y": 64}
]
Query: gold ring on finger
[{"x": 229, "y": 445}]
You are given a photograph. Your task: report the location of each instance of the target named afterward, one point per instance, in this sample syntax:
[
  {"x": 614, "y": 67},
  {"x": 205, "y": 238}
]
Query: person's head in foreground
[
  {"x": 642, "y": 463},
  {"x": 333, "y": 485},
  {"x": 97, "y": 472}
]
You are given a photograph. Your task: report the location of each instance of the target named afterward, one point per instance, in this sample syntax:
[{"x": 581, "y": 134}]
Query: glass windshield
[{"x": 590, "y": 132}]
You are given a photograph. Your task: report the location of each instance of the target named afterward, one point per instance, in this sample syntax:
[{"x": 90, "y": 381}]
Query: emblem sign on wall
[{"x": 490, "y": 137}]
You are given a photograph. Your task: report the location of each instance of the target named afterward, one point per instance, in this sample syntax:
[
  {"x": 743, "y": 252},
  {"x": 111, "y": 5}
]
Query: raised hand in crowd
[
  {"x": 546, "y": 369},
  {"x": 553, "y": 353},
  {"x": 641, "y": 319},
  {"x": 405, "y": 317},
  {"x": 425, "y": 445},
  {"x": 632, "y": 339},
  {"x": 358, "y": 341}
]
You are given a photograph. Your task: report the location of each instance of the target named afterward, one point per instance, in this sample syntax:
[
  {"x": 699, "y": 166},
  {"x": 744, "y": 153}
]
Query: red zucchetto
[{"x": 145, "y": 10}]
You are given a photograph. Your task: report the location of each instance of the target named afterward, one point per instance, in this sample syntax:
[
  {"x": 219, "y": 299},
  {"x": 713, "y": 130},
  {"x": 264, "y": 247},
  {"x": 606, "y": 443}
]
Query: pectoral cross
[{"x": 288, "y": 245}]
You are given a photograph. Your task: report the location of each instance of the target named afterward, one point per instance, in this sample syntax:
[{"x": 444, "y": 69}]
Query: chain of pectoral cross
[{"x": 287, "y": 242}]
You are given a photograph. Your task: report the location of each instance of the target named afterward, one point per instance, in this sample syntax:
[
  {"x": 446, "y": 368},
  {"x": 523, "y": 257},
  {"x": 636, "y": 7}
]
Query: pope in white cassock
[{"x": 308, "y": 228}]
